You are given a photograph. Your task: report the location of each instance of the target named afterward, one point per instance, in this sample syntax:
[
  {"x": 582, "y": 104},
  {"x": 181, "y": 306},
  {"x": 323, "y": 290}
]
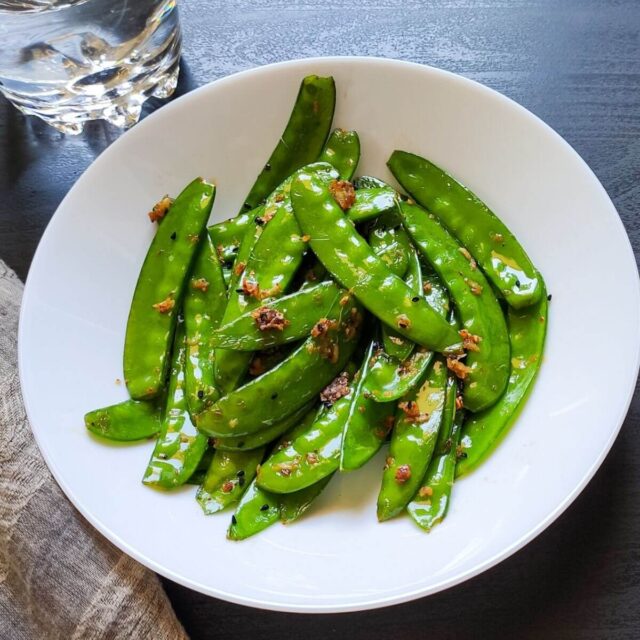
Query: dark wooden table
[{"x": 576, "y": 64}]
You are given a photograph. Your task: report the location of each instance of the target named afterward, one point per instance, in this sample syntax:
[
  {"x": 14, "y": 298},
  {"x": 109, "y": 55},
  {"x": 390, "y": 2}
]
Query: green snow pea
[
  {"x": 412, "y": 442},
  {"x": 476, "y": 304},
  {"x": 257, "y": 510},
  {"x": 487, "y": 238},
  {"x": 368, "y": 422},
  {"x": 443, "y": 443},
  {"x": 297, "y": 312},
  {"x": 198, "y": 476},
  {"x": 293, "y": 505},
  {"x": 303, "y": 137},
  {"x": 482, "y": 432},
  {"x": 179, "y": 447},
  {"x": 126, "y": 421},
  {"x": 370, "y": 182},
  {"x": 204, "y": 303},
  {"x": 371, "y": 203},
  {"x": 431, "y": 503},
  {"x": 227, "y": 235},
  {"x": 291, "y": 384},
  {"x": 349, "y": 258},
  {"x": 391, "y": 244},
  {"x": 158, "y": 294},
  {"x": 343, "y": 152}
]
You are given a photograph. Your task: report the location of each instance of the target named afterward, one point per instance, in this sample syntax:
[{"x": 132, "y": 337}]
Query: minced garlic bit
[
  {"x": 403, "y": 473},
  {"x": 412, "y": 413},
  {"x": 267, "y": 319},
  {"x": 305, "y": 238},
  {"x": 460, "y": 369},
  {"x": 322, "y": 327},
  {"x": 239, "y": 268},
  {"x": 388, "y": 462},
  {"x": 312, "y": 458},
  {"x": 497, "y": 237},
  {"x": 227, "y": 487},
  {"x": 343, "y": 193},
  {"x": 160, "y": 209},
  {"x": 285, "y": 468},
  {"x": 257, "y": 366},
  {"x": 336, "y": 389},
  {"x": 476, "y": 288},
  {"x": 459, "y": 403},
  {"x": 425, "y": 492},
  {"x": 465, "y": 252},
  {"x": 166, "y": 305},
  {"x": 426, "y": 287},
  {"x": 201, "y": 284},
  {"x": 397, "y": 341},
  {"x": 344, "y": 300},
  {"x": 251, "y": 289},
  {"x": 460, "y": 452},
  {"x": 469, "y": 340},
  {"x": 403, "y": 322}
]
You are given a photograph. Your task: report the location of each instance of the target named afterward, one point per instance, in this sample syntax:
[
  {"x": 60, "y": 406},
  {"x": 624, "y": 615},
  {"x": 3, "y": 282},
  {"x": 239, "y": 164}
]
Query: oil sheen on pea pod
[
  {"x": 352, "y": 262},
  {"x": 227, "y": 235},
  {"x": 158, "y": 294},
  {"x": 487, "y": 238},
  {"x": 342, "y": 151},
  {"x": 180, "y": 446},
  {"x": 126, "y": 421},
  {"x": 413, "y": 441},
  {"x": 204, "y": 303},
  {"x": 482, "y": 432},
  {"x": 485, "y": 370},
  {"x": 295, "y": 381},
  {"x": 302, "y": 140}
]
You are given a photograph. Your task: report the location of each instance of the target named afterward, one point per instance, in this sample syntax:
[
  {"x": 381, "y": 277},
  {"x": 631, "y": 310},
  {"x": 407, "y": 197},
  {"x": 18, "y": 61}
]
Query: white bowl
[{"x": 337, "y": 558}]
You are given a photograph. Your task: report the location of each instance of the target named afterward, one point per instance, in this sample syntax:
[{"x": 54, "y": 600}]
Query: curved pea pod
[
  {"x": 126, "y": 421},
  {"x": 228, "y": 476},
  {"x": 352, "y": 262},
  {"x": 413, "y": 441},
  {"x": 496, "y": 249},
  {"x": 443, "y": 444},
  {"x": 180, "y": 446},
  {"x": 291, "y": 384},
  {"x": 294, "y": 505},
  {"x": 198, "y": 476},
  {"x": 302, "y": 139},
  {"x": 486, "y": 369},
  {"x": 256, "y": 511},
  {"x": 227, "y": 236},
  {"x": 280, "y": 321},
  {"x": 342, "y": 151},
  {"x": 392, "y": 245},
  {"x": 430, "y": 504},
  {"x": 158, "y": 294},
  {"x": 371, "y": 203},
  {"x": 483, "y": 431},
  {"x": 204, "y": 304},
  {"x": 368, "y": 422}
]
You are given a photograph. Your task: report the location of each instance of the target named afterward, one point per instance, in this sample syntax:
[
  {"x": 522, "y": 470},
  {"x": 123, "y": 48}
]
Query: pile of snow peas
[{"x": 268, "y": 352}]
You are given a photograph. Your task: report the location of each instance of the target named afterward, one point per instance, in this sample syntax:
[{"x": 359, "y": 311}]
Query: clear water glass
[{"x": 70, "y": 61}]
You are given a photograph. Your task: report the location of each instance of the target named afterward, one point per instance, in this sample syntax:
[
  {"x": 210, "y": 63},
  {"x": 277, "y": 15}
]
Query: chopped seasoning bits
[
  {"x": 165, "y": 306},
  {"x": 239, "y": 268},
  {"x": 469, "y": 340},
  {"x": 426, "y": 287},
  {"x": 412, "y": 413},
  {"x": 336, "y": 389},
  {"x": 465, "y": 252},
  {"x": 227, "y": 487},
  {"x": 403, "y": 473},
  {"x": 160, "y": 209},
  {"x": 459, "y": 403},
  {"x": 343, "y": 193},
  {"x": 403, "y": 322},
  {"x": 460, "y": 369},
  {"x": 476, "y": 288},
  {"x": 200, "y": 284},
  {"x": 264, "y": 507},
  {"x": 268, "y": 319},
  {"x": 425, "y": 492}
]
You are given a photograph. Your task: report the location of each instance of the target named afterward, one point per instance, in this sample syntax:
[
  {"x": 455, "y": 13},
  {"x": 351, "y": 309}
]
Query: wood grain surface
[{"x": 574, "y": 63}]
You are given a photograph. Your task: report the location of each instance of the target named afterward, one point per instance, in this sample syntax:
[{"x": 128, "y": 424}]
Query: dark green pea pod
[
  {"x": 245, "y": 248},
  {"x": 158, "y": 294},
  {"x": 430, "y": 504},
  {"x": 257, "y": 510},
  {"x": 126, "y": 421},
  {"x": 392, "y": 245},
  {"x": 486, "y": 368},
  {"x": 342, "y": 151},
  {"x": 371, "y": 203},
  {"x": 180, "y": 446},
  {"x": 204, "y": 304},
  {"x": 483, "y": 431},
  {"x": 352, "y": 262},
  {"x": 435, "y": 291},
  {"x": 292, "y": 317},
  {"x": 293, "y": 505},
  {"x": 487, "y": 238},
  {"x": 228, "y": 476},
  {"x": 368, "y": 422},
  {"x": 443, "y": 443},
  {"x": 198, "y": 476},
  {"x": 227, "y": 236},
  {"x": 413, "y": 441},
  {"x": 369, "y": 182},
  {"x": 294, "y": 382},
  {"x": 302, "y": 139}
]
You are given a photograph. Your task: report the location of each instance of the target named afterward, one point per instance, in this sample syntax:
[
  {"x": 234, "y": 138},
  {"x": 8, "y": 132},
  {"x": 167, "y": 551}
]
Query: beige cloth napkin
[{"x": 59, "y": 578}]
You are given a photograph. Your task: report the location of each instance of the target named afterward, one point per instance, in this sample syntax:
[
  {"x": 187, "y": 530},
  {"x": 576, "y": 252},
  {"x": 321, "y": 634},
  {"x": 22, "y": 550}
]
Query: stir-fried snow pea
[
  {"x": 256, "y": 511},
  {"x": 486, "y": 368},
  {"x": 293, "y": 505},
  {"x": 349, "y": 258},
  {"x": 126, "y": 421},
  {"x": 180, "y": 446},
  {"x": 158, "y": 294},
  {"x": 482, "y": 432},
  {"x": 303, "y": 138},
  {"x": 370, "y": 203},
  {"x": 444, "y": 434},
  {"x": 369, "y": 182},
  {"x": 368, "y": 422},
  {"x": 280, "y": 321},
  {"x": 229, "y": 474},
  {"x": 227, "y": 235},
  {"x": 279, "y": 392},
  {"x": 204, "y": 304},
  {"x": 496, "y": 249},
  {"x": 267, "y": 272},
  {"x": 343, "y": 152},
  {"x": 198, "y": 476},
  {"x": 392, "y": 245},
  {"x": 412, "y": 443},
  {"x": 431, "y": 502}
]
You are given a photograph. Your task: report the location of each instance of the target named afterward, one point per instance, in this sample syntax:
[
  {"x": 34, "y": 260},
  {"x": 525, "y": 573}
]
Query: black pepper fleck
[
  {"x": 549, "y": 297},
  {"x": 274, "y": 396},
  {"x": 267, "y": 167},
  {"x": 233, "y": 520},
  {"x": 517, "y": 283},
  {"x": 415, "y": 299},
  {"x": 240, "y": 473},
  {"x": 174, "y": 235},
  {"x": 264, "y": 507},
  {"x": 200, "y": 394}
]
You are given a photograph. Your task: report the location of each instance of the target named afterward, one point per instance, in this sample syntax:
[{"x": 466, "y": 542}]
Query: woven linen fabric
[{"x": 59, "y": 578}]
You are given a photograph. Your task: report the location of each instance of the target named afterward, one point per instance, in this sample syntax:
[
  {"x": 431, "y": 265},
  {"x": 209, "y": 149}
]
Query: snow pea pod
[
  {"x": 256, "y": 511},
  {"x": 490, "y": 242},
  {"x": 126, "y": 421},
  {"x": 293, "y": 317},
  {"x": 204, "y": 304},
  {"x": 158, "y": 294},
  {"x": 343, "y": 152},
  {"x": 293, "y": 505},
  {"x": 227, "y": 236},
  {"x": 198, "y": 476},
  {"x": 431, "y": 503},
  {"x": 229, "y": 474},
  {"x": 391, "y": 244},
  {"x": 369, "y": 182},
  {"x": 486, "y": 369},
  {"x": 302, "y": 139},
  {"x": 412, "y": 442},
  {"x": 350, "y": 260},
  {"x": 291, "y": 384},
  {"x": 180, "y": 446},
  {"x": 371, "y": 203},
  {"x": 483, "y": 431}
]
